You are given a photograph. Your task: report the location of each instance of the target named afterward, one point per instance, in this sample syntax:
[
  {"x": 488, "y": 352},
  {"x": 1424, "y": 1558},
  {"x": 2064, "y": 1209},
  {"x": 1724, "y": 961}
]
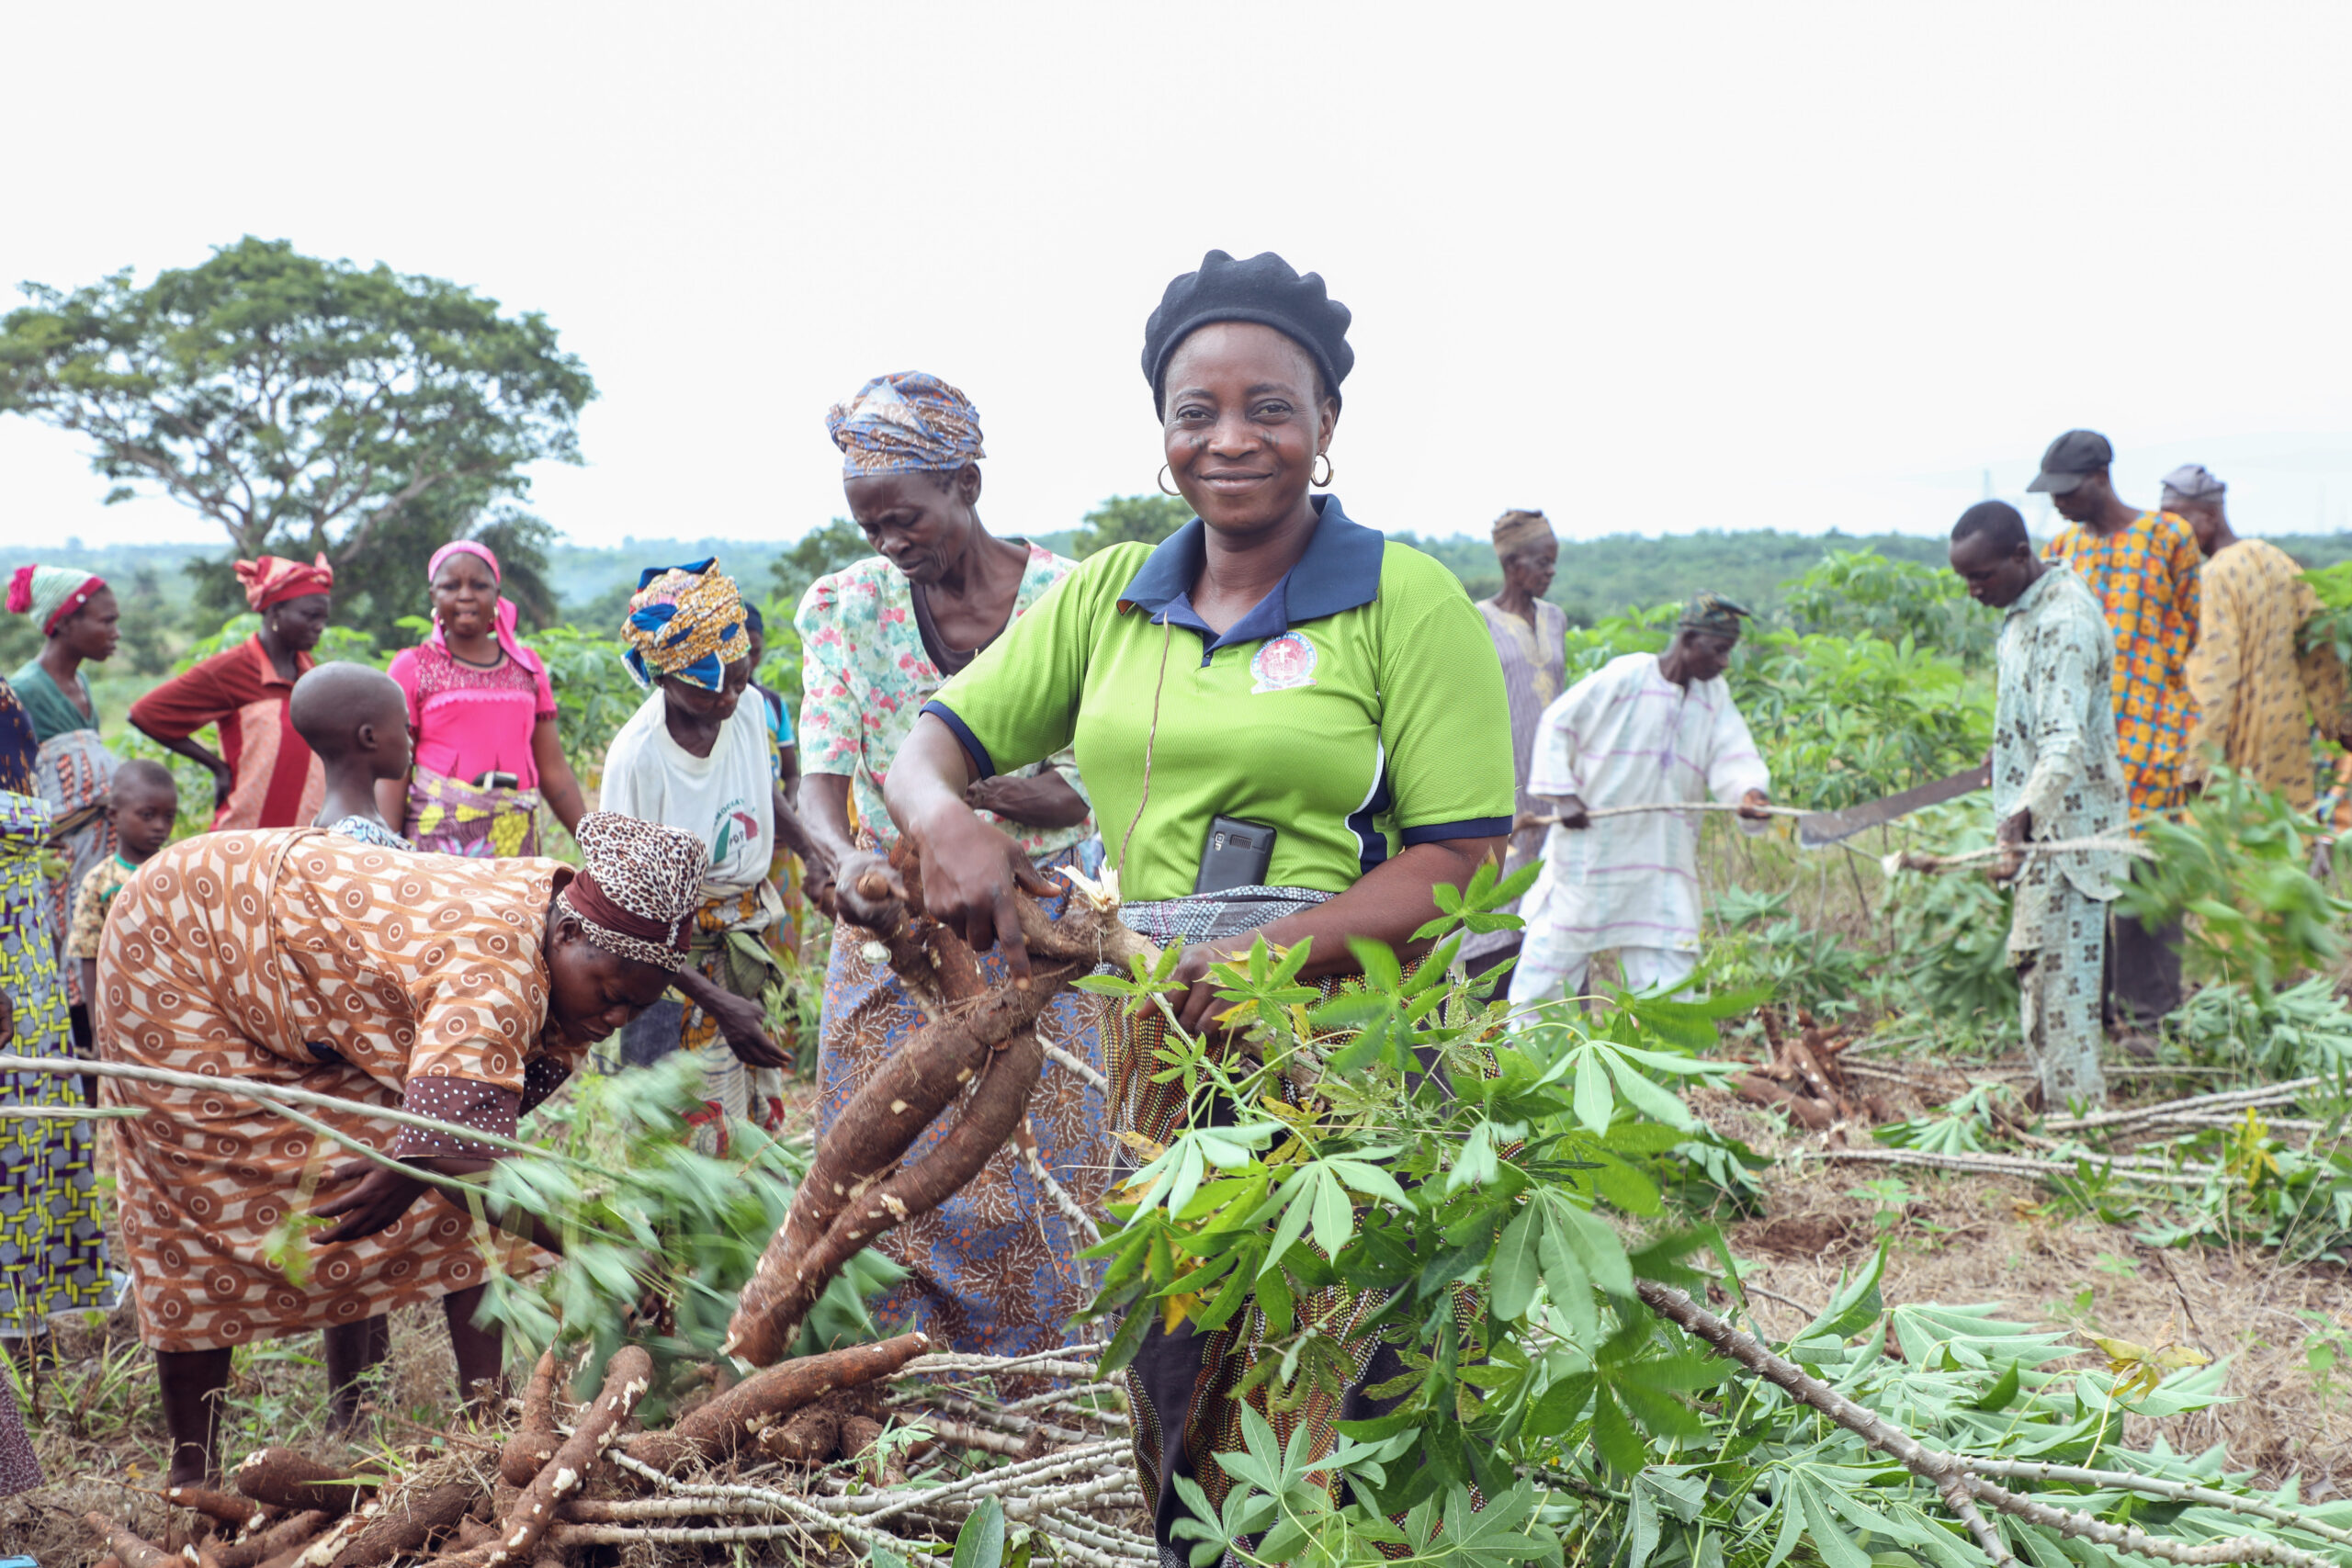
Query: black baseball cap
[{"x": 2073, "y": 455}]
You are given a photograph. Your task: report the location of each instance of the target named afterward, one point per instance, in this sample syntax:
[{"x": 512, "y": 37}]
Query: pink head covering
[{"x": 505, "y": 617}]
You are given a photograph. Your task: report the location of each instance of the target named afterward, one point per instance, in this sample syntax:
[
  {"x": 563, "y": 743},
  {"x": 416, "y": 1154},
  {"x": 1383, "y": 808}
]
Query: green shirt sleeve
[
  {"x": 1017, "y": 703},
  {"x": 1445, "y": 717}
]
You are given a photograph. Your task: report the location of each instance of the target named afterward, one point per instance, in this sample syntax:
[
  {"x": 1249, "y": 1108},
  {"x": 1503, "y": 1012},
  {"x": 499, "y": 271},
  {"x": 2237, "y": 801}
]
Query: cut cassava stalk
[
  {"x": 2154, "y": 1486},
  {"x": 533, "y": 1442},
  {"x": 759, "y": 1401},
  {"x": 285, "y": 1479},
  {"x": 627, "y": 1377},
  {"x": 1942, "y": 1470},
  {"x": 133, "y": 1550}
]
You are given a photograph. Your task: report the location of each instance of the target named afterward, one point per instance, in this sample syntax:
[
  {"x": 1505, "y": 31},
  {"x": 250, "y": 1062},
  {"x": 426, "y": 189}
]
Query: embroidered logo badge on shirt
[{"x": 1283, "y": 662}]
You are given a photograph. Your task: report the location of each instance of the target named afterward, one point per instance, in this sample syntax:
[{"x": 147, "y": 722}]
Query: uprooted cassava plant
[{"x": 978, "y": 1051}]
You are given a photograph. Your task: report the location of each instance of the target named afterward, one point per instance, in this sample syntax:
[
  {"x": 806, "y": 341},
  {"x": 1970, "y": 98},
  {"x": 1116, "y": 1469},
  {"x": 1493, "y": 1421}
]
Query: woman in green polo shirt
[{"x": 1274, "y": 663}]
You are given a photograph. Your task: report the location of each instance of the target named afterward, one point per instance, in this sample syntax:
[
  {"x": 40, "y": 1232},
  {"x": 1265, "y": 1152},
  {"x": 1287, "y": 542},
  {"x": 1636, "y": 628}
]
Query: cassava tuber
[
  {"x": 808, "y": 1435},
  {"x": 759, "y": 1401},
  {"x": 133, "y": 1550},
  {"x": 220, "y": 1507},
  {"x": 533, "y": 1442},
  {"x": 857, "y": 1189},
  {"x": 406, "y": 1523},
  {"x": 295, "y": 1529},
  {"x": 296, "y": 1482},
  {"x": 627, "y": 1377}
]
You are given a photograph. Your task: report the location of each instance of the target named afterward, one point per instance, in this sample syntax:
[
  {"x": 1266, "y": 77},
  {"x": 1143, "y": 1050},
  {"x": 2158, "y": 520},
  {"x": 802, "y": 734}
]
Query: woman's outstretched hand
[
  {"x": 378, "y": 1195},
  {"x": 375, "y": 1198},
  {"x": 744, "y": 1027}
]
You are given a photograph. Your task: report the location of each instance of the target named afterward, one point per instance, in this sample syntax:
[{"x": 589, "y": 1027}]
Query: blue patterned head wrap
[
  {"x": 686, "y": 621},
  {"x": 908, "y": 423}
]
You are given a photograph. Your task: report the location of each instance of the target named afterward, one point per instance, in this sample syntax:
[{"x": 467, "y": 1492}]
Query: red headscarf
[{"x": 273, "y": 580}]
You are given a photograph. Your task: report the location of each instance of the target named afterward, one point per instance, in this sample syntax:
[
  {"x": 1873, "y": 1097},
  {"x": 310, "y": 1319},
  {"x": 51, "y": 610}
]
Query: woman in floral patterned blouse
[{"x": 994, "y": 1269}]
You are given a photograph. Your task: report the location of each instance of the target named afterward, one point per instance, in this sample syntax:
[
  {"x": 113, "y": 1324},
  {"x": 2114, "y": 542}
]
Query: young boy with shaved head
[
  {"x": 355, "y": 719},
  {"x": 142, "y": 803}
]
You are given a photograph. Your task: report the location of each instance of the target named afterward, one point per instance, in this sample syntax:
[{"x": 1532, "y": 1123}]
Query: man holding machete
[
  {"x": 1643, "y": 729},
  {"x": 2055, "y": 776}
]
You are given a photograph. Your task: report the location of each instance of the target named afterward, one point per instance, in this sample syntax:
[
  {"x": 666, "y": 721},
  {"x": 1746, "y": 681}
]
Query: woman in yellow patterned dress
[{"x": 457, "y": 989}]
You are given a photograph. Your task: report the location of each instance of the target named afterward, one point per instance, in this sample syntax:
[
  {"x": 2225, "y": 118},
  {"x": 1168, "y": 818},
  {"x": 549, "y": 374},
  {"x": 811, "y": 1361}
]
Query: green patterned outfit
[
  {"x": 52, "y": 1244},
  {"x": 2055, "y": 755}
]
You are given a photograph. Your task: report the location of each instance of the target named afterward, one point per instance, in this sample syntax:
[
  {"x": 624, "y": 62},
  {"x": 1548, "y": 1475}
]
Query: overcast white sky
[{"x": 1650, "y": 268}]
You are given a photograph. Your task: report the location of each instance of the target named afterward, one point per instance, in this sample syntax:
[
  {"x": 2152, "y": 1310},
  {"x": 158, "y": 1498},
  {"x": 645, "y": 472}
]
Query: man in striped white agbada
[{"x": 1643, "y": 729}]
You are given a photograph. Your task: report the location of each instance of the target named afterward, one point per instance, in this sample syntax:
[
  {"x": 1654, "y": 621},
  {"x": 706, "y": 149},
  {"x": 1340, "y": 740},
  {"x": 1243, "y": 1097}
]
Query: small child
[
  {"x": 143, "y": 805},
  {"x": 355, "y": 719}
]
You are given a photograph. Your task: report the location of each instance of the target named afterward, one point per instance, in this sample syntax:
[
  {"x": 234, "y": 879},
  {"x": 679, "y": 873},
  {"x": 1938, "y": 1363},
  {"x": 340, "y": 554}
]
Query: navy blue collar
[{"x": 1340, "y": 571}]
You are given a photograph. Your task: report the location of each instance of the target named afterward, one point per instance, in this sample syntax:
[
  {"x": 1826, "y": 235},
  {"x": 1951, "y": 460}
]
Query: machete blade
[{"x": 1823, "y": 828}]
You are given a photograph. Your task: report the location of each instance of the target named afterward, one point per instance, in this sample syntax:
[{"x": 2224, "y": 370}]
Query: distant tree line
[{"x": 307, "y": 405}]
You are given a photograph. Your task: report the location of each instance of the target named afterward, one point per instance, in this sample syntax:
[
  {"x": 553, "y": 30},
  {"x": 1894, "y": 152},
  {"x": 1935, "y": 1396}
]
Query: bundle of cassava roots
[{"x": 807, "y": 1454}]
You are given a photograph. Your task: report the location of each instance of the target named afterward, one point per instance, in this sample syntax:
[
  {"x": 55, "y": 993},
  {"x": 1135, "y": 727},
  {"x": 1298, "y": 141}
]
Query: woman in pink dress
[{"x": 487, "y": 752}]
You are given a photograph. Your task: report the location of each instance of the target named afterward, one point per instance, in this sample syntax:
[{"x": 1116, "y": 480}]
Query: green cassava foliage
[
  {"x": 1865, "y": 594},
  {"x": 659, "y": 1238},
  {"x": 1498, "y": 1193},
  {"x": 2238, "y": 860}
]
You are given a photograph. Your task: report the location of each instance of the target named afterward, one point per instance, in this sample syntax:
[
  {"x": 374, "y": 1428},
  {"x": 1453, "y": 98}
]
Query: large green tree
[{"x": 304, "y": 405}]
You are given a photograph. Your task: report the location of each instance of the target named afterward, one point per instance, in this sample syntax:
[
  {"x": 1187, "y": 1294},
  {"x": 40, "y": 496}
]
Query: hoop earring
[
  {"x": 1325, "y": 482},
  {"x": 1164, "y": 477}
]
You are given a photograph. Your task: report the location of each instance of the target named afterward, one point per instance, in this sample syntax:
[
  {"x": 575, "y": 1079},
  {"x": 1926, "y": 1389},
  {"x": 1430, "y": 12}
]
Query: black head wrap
[{"x": 1265, "y": 290}]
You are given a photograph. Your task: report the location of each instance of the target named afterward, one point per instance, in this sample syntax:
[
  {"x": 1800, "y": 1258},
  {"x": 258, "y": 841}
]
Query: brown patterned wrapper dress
[{"x": 301, "y": 958}]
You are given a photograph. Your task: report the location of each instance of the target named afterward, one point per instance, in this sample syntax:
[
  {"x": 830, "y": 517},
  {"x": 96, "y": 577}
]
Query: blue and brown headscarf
[
  {"x": 686, "y": 621},
  {"x": 908, "y": 423},
  {"x": 1714, "y": 614}
]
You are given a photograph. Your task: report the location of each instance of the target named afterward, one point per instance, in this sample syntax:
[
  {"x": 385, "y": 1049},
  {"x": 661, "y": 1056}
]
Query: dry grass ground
[
  {"x": 1974, "y": 1239},
  {"x": 99, "y": 1429}
]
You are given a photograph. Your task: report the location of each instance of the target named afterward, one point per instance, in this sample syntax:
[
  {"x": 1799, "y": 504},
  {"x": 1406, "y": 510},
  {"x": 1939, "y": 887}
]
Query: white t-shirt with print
[{"x": 726, "y": 799}]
